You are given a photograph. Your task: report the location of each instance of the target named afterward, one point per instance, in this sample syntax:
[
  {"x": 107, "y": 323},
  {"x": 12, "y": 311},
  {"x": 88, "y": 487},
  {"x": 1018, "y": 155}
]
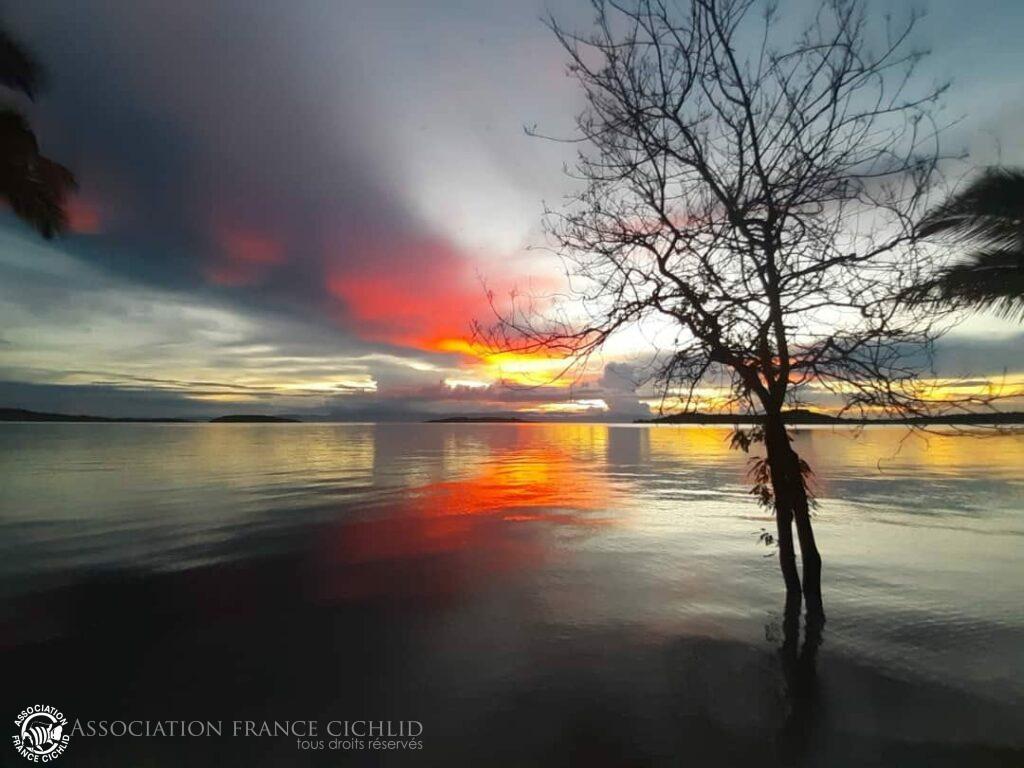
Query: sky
[{"x": 295, "y": 207}]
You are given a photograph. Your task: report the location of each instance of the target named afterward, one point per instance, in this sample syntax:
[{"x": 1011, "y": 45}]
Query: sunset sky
[{"x": 290, "y": 207}]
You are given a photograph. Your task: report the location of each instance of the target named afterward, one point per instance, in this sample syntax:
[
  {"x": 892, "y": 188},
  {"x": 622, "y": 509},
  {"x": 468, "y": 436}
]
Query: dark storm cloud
[
  {"x": 99, "y": 400},
  {"x": 220, "y": 146}
]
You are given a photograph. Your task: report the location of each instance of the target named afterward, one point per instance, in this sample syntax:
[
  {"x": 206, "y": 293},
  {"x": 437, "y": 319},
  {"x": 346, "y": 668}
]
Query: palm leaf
[
  {"x": 35, "y": 187},
  {"x": 988, "y": 216},
  {"x": 989, "y": 280},
  {"x": 991, "y": 209},
  {"x": 18, "y": 67}
]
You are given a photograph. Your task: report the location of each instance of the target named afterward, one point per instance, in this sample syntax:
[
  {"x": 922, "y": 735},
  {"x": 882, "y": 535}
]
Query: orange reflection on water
[
  {"x": 694, "y": 444},
  {"x": 447, "y": 537},
  {"x": 942, "y": 450}
]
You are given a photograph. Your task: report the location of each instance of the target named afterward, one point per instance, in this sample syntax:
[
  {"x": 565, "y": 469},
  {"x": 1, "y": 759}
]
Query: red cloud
[
  {"x": 412, "y": 293},
  {"x": 84, "y": 216},
  {"x": 244, "y": 257}
]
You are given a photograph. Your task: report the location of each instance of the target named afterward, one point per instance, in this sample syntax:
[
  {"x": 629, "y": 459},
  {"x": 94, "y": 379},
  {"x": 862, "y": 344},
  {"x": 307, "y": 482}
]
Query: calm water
[{"x": 534, "y": 594}]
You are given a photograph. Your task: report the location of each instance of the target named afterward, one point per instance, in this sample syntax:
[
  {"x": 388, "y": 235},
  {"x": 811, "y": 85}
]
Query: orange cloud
[
  {"x": 424, "y": 293},
  {"x": 523, "y": 368}
]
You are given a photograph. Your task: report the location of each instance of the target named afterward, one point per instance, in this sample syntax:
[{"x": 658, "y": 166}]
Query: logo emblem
[{"x": 41, "y": 733}]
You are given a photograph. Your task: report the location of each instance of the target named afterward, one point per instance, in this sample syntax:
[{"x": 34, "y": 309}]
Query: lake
[{"x": 532, "y": 594}]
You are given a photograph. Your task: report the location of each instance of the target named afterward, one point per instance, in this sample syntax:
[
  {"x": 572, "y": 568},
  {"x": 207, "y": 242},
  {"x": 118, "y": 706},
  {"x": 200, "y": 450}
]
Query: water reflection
[
  {"x": 798, "y": 662},
  {"x": 456, "y": 535},
  {"x": 577, "y": 593}
]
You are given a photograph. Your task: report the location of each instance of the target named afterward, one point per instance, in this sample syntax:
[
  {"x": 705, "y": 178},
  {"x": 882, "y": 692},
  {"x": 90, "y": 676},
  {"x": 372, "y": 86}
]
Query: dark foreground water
[{"x": 533, "y": 595}]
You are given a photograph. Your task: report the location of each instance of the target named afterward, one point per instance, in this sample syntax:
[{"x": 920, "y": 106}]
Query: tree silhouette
[
  {"x": 988, "y": 218},
  {"x": 756, "y": 189},
  {"x": 35, "y": 187}
]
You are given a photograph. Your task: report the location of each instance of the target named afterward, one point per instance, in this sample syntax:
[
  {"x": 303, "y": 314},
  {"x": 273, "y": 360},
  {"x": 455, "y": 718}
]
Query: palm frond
[
  {"x": 988, "y": 280},
  {"x": 35, "y": 187},
  {"x": 987, "y": 217},
  {"x": 19, "y": 69},
  {"x": 990, "y": 209}
]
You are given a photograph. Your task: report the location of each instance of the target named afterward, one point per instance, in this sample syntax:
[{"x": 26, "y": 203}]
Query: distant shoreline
[
  {"x": 802, "y": 417},
  {"x": 254, "y": 419},
  {"x": 21, "y": 414},
  {"x": 479, "y": 420},
  {"x": 793, "y": 418}
]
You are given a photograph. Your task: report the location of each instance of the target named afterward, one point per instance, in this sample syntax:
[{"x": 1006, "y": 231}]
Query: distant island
[
  {"x": 253, "y": 419},
  {"x": 807, "y": 417},
  {"x": 20, "y": 414},
  {"x": 478, "y": 420}
]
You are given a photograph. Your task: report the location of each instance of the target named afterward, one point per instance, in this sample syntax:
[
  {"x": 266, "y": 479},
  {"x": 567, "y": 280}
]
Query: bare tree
[{"x": 756, "y": 186}]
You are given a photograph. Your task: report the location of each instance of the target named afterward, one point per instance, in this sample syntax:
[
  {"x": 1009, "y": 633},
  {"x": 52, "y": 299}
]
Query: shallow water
[{"x": 534, "y": 594}]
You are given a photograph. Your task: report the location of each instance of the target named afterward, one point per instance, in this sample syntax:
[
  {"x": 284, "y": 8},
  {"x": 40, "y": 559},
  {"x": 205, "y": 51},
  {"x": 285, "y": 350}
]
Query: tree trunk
[
  {"x": 809, "y": 555},
  {"x": 782, "y": 491},
  {"x": 791, "y": 505},
  {"x": 787, "y": 556}
]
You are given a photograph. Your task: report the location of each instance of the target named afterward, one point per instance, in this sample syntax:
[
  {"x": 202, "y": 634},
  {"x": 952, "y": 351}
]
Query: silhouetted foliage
[
  {"x": 18, "y": 67},
  {"x": 35, "y": 187},
  {"x": 986, "y": 218},
  {"x": 758, "y": 191}
]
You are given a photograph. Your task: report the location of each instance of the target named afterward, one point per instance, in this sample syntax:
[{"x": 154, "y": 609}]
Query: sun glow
[
  {"x": 526, "y": 369},
  {"x": 569, "y": 407},
  {"x": 1007, "y": 389},
  {"x": 331, "y": 386},
  {"x": 465, "y": 384}
]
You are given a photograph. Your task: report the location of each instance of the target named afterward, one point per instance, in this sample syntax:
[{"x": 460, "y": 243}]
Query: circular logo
[{"x": 41, "y": 733}]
